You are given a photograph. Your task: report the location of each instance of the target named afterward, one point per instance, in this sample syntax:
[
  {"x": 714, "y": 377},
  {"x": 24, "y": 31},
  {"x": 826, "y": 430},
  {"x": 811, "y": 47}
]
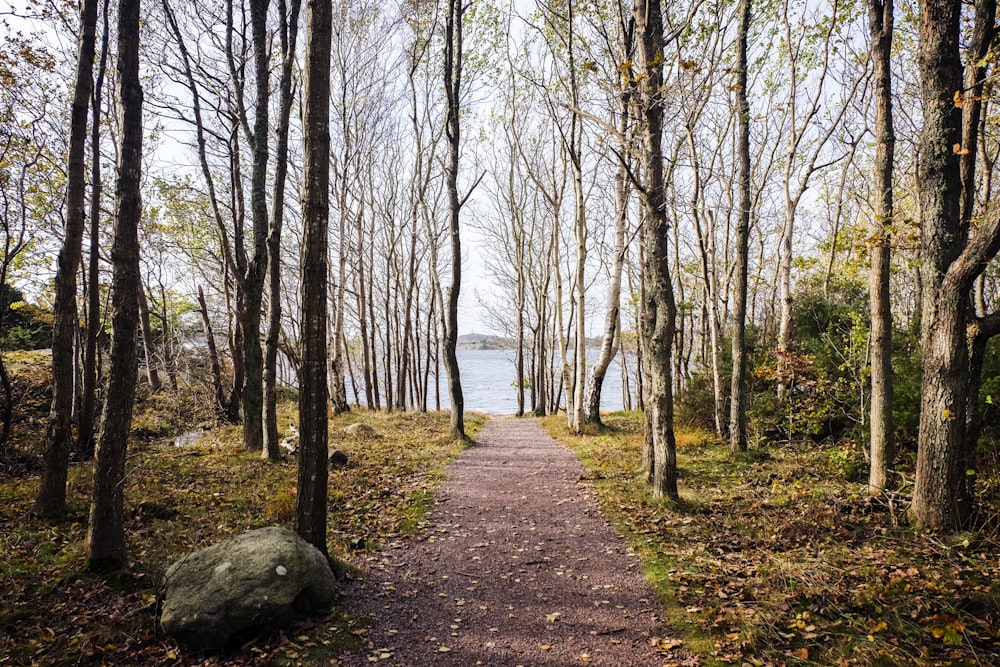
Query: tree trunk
[
  {"x": 737, "y": 388},
  {"x": 213, "y": 352},
  {"x": 411, "y": 283},
  {"x": 659, "y": 309},
  {"x": 949, "y": 265},
  {"x": 612, "y": 320},
  {"x": 880, "y": 17},
  {"x": 89, "y": 408},
  {"x": 152, "y": 375},
  {"x": 361, "y": 295},
  {"x": 453, "y": 88},
  {"x": 106, "y": 548},
  {"x": 338, "y": 390},
  {"x": 373, "y": 323},
  {"x": 253, "y": 388},
  {"x": 311, "y": 499},
  {"x": 51, "y": 498},
  {"x": 289, "y": 36},
  {"x": 237, "y": 347}
]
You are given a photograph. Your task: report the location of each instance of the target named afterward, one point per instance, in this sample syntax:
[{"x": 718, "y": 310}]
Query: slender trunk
[
  {"x": 51, "y": 498},
  {"x": 370, "y": 300},
  {"x": 519, "y": 344},
  {"x": 428, "y": 341},
  {"x": 89, "y": 408},
  {"x": 387, "y": 346},
  {"x": 541, "y": 354},
  {"x": 580, "y": 232},
  {"x": 411, "y": 281},
  {"x": 880, "y": 16},
  {"x": 565, "y": 373},
  {"x": 213, "y": 352},
  {"x": 289, "y": 30},
  {"x": 239, "y": 333},
  {"x": 311, "y": 500},
  {"x": 737, "y": 388},
  {"x": 338, "y": 390},
  {"x": 612, "y": 321},
  {"x": 233, "y": 263},
  {"x": 658, "y": 306},
  {"x": 106, "y": 548},
  {"x": 152, "y": 375},
  {"x": 361, "y": 296},
  {"x": 253, "y": 388},
  {"x": 453, "y": 88}
]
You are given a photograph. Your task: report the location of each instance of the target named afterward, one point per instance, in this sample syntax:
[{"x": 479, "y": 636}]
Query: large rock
[{"x": 263, "y": 577}]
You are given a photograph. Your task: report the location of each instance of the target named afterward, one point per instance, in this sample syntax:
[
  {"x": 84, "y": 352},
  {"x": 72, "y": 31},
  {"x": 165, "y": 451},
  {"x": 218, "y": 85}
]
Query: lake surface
[{"x": 488, "y": 383}]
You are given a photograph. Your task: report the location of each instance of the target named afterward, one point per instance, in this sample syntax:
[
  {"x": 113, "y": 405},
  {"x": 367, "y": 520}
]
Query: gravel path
[{"x": 515, "y": 566}]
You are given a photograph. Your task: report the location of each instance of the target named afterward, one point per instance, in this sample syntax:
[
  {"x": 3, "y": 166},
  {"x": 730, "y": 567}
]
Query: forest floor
[
  {"x": 779, "y": 557},
  {"x": 775, "y": 558}
]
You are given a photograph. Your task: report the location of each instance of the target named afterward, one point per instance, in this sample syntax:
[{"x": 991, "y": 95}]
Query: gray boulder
[{"x": 264, "y": 577}]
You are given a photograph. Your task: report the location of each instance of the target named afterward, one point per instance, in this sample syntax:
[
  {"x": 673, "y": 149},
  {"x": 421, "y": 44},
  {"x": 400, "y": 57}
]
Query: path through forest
[{"x": 515, "y": 566}]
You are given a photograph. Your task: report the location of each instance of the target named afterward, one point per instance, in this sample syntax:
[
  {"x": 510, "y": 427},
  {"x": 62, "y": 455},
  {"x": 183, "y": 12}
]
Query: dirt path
[{"x": 515, "y": 566}]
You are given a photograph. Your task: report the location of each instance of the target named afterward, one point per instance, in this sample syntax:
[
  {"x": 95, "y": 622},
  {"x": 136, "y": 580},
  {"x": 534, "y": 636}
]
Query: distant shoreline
[{"x": 484, "y": 346}]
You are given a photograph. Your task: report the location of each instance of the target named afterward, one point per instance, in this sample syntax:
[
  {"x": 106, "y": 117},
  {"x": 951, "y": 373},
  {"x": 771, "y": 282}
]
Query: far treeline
[{"x": 778, "y": 216}]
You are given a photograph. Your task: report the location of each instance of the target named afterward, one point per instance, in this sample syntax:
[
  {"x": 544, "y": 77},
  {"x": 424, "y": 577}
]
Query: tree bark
[
  {"x": 89, "y": 407},
  {"x": 453, "y": 88},
  {"x": 949, "y": 265},
  {"x": 152, "y": 375},
  {"x": 311, "y": 500},
  {"x": 737, "y": 387},
  {"x": 51, "y": 498},
  {"x": 880, "y": 17},
  {"x": 289, "y": 36},
  {"x": 106, "y": 548},
  {"x": 213, "y": 352},
  {"x": 253, "y": 388},
  {"x": 659, "y": 308}
]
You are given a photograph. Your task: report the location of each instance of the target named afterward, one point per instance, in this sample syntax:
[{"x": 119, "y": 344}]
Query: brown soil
[{"x": 514, "y": 566}]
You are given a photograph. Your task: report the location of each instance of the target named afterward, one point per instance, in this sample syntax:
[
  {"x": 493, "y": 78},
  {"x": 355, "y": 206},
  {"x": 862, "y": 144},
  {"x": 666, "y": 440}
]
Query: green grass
[{"x": 774, "y": 557}]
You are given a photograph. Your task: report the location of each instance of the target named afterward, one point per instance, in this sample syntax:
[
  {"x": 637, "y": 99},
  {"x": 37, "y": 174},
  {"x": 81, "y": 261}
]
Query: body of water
[{"x": 488, "y": 382}]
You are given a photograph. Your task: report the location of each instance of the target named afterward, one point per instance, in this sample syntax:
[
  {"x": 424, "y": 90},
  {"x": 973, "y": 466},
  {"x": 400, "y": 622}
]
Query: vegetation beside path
[
  {"x": 183, "y": 498},
  {"x": 781, "y": 558},
  {"x": 777, "y": 558}
]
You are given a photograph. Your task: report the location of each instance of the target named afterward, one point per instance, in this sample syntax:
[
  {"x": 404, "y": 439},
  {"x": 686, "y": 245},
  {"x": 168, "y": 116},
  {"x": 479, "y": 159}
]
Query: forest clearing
[{"x": 777, "y": 557}]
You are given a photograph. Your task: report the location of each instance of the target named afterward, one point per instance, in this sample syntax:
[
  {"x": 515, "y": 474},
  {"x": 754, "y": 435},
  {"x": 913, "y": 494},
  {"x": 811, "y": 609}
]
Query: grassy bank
[
  {"x": 183, "y": 498},
  {"x": 776, "y": 559}
]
